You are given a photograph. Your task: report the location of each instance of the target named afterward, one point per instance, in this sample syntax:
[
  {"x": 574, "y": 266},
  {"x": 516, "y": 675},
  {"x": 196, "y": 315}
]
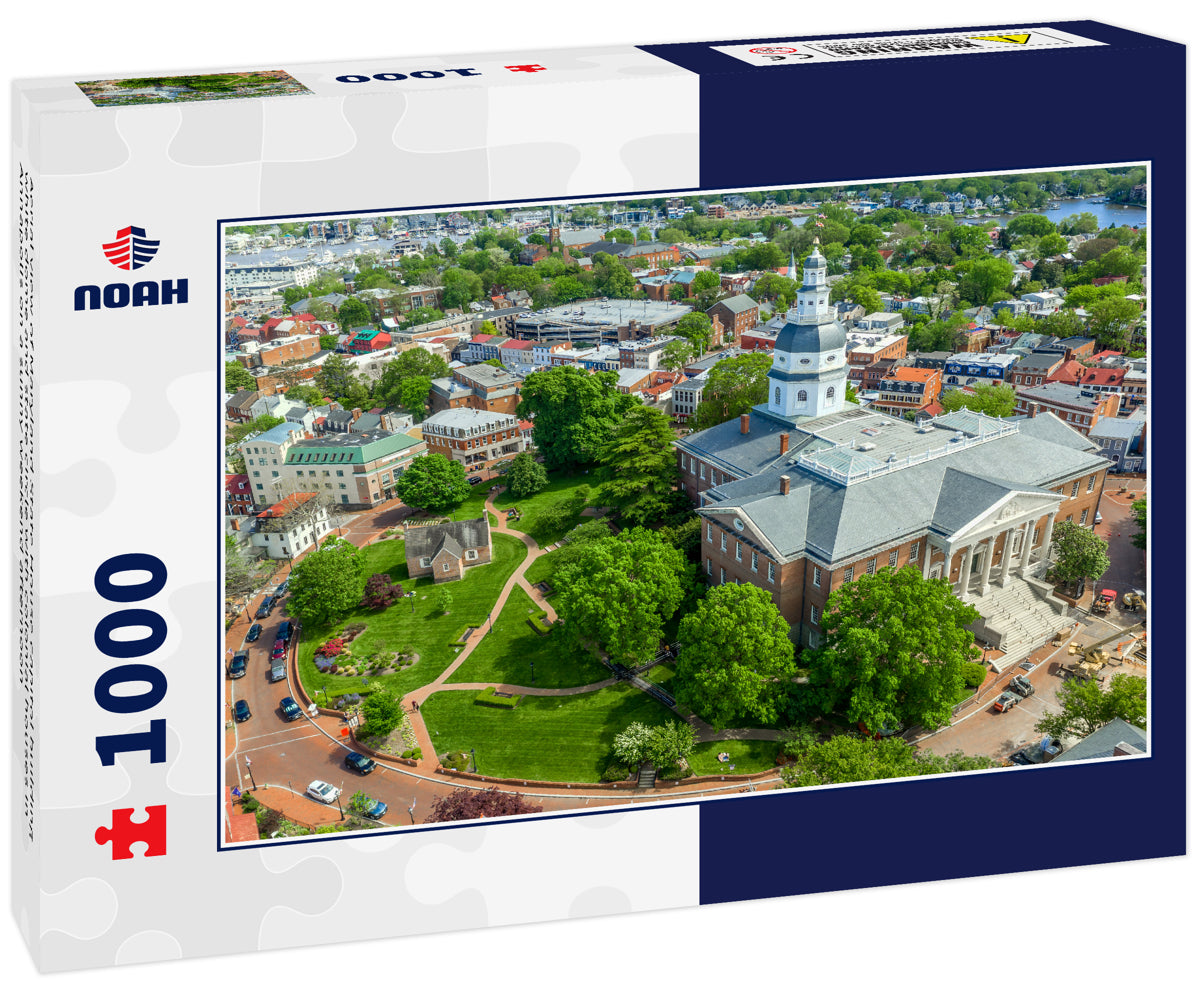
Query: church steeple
[{"x": 809, "y": 373}]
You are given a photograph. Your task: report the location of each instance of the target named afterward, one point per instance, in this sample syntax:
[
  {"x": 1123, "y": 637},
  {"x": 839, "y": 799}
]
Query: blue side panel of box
[{"x": 983, "y": 116}]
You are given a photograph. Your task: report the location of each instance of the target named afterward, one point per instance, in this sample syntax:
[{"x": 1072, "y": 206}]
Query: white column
[
  {"x": 1006, "y": 558},
  {"x": 927, "y": 543},
  {"x": 964, "y": 570},
  {"x": 1044, "y": 552},
  {"x": 1027, "y": 544},
  {"x": 989, "y": 546},
  {"x": 947, "y": 557}
]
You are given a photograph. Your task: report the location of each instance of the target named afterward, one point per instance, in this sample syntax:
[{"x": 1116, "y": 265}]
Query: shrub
[
  {"x": 488, "y": 697},
  {"x": 615, "y": 773},
  {"x": 973, "y": 674},
  {"x": 540, "y": 628},
  {"x": 331, "y": 648}
]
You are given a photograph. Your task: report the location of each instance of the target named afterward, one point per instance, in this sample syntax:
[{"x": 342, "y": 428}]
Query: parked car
[
  {"x": 279, "y": 650},
  {"x": 360, "y": 763},
  {"x": 1006, "y": 702},
  {"x": 290, "y": 709},
  {"x": 281, "y": 589},
  {"x": 375, "y": 810},
  {"x": 278, "y": 670},
  {"x": 241, "y": 711},
  {"x": 1021, "y": 685},
  {"x": 253, "y": 633},
  {"x": 1036, "y": 754},
  {"x": 327, "y": 793},
  {"x": 237, "y": 667},
  {"x": 285, "y": 630},
  {"x": 264, "y": 610},
  {"x": 474, "y": 480}
]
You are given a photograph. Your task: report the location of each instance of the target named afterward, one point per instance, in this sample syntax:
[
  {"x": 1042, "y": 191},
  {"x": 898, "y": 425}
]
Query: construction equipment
[
  {"x": 1093, "y": 657},
  {"x": 1104, "y": 602},
  {"x": 1135, "y": 600}
]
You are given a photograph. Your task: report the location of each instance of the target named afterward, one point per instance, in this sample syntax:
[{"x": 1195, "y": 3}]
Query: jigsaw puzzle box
[{"x": 264, "y": 315}]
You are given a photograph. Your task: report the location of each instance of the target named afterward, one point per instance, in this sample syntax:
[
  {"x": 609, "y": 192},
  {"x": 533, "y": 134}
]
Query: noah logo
[{"x": 131, "y": 250}]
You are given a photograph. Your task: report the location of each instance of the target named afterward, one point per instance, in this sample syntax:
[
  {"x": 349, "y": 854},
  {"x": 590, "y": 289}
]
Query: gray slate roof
[
  {"x": 1100, "y": 744},
  {"x": 428, "y": 540}
]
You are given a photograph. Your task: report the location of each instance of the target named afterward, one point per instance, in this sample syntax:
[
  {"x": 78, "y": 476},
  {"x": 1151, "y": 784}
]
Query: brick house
[
  {"x": 470, "y": 436},
  {"x": 445, "y": 552},
  {"x": 1033, "y": 369},
  {"x": 1079, "y": 407},
  {"x": 739, "y": 314},
  {"x": 908, "y": 389}
]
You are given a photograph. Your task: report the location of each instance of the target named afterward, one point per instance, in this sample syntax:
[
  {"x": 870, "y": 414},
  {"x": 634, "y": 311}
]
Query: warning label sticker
[{"x": 942, "y": 43}]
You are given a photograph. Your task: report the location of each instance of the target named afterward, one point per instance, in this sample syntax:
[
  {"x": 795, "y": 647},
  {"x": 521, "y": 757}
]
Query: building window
[
  {"x": 777, "y": 394},
  {"x": 893, "y": 558},
  {"x": 1075, "y": 489},
  {"x": 708, "y": 530},
  {"x": 1091, "y": 483},
  {"x": 816, "y": 577},
  {"x": 445, "y": 567},
  {"x": 847, "y": 575},
  {"x": 722, "y": 575},
  {"x": 693, "y": 464},
  {"x": 913, "y": 550},
  {"x": 737, "y": 550},
  {"x": 708, "y": 567},
  {"x": 1083, "y": 516},
  {"x": 829, "y": 393},
  {"x": 1036, "y": 533},
  {"x": 801, "y": 395},
  {"x": 770, "y": 571},
  {"x": 472, "y": 554},
  {"x": 754, "y": 561},
  {"x": 702, "y": 471},
  {"x": 722, "y": 542},
  {"x": 871, "y": 566},
  {"x": 814, "y": 616},
  {"x": 424, "y": 562}
]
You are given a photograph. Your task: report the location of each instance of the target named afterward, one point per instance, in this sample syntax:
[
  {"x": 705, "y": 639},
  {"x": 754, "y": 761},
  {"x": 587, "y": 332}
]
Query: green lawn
[
  {"x": 472, "y": 507},
  {"x": 542, "y": 569},
  {"x": 560, "y": 488},
  {"x": 504, "y": 655},
  {"x": 563, "y": 739},
  {"x": 426, "y": 629},
  {"x": 746, "y": 757}
]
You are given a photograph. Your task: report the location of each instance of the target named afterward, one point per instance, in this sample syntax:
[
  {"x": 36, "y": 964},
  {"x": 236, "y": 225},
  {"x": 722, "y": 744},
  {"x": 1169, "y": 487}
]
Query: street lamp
[
  {"x": 253, "y": 785},
  {"x": 473, "y": 766},
  {"x": 411, "y": 596},
  {"x": 412, "y": 807},
  {"x": 341, "y": 813}
]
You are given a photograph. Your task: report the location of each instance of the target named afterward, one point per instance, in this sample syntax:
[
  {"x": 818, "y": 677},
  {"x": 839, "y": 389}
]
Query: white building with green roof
[{"x": 352, "y": 469}]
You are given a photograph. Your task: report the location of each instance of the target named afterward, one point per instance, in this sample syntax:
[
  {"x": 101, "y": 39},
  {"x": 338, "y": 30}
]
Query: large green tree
[
  {"x": 847, "y": 758},
  {"x": 337, "y": 378},
  {"x": 735, "y": 656},
  {"x": 620, "y": 592},
  {"x": 433, "y": 482},
  {"x": 237, "y": 377},
  {"x": 573, "y": 411},
  {"x": 1087, "y": 706},
  {"x": 525, "y": 476},
  {"x": 639, "y": 466},
  {"x": 1140, "y": 516},
  {"x": 1111, "y": 321},
  {"x": 405, "y": 381},
  {"x": 985, "y": 280},
  {"x": 734, "y": 385},
  {"x": 327, "y": 583},
  {"x": 353, "y": 313},
  {"x": 998, "y": 401},
  {"x": 1079, "y": 553},
  {"x": 894, "y": 651},
  {"x": 697, "y": 328}
]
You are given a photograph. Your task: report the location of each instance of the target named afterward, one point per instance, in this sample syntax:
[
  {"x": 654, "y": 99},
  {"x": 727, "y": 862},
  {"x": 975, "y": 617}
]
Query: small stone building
[{"x": 445, "y": 551}]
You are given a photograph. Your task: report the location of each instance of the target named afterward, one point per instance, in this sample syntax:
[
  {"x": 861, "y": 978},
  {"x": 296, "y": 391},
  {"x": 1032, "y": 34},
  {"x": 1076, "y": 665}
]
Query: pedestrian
[{"x": 414, "y": 706}]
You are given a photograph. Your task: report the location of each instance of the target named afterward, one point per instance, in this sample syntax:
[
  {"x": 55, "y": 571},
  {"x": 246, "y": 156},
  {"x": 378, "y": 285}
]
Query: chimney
[
  {"x": 745, "y": 424},
  {"x": 783, "y": 443},
  {"x": 785, "y": 484}
]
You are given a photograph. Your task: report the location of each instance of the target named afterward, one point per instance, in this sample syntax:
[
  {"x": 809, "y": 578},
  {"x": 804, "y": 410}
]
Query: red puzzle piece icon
[{"x": 124, "y": 832}]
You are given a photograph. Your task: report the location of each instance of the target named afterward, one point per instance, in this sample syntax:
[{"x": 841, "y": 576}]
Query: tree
[
  {"x": 677, "y": 354},
  {"x": 1111, "y": 320},
  {"x": 327, "y": 583},
  {"x": 620, "y": 593},
  {"x": 1140, "y": 515},
  {"x": 465, "y": 804},
  {"x": 573, "y": 411},
  {"x": 406, "y": 381},
  {"x": 240, "y": 573},
  {"x": 525, "y": 476},
  {"x": 894, "y": 649},
  {"x": 460, "y": 287},
  {"x": 380, "y": 593},
  {"x": 433, "y": 482},
  {"x": 359, "y": 803},
  {"x": 444, "y": 600},
  {"x": 353, "y": 313},
  {"x": 670, "y": 742},
  {"x": 639, "y": 466},
  {"x": 381, "y": 713},
  {"x": 734, "y": 386},
  {"x": 985, "y": 280},
  {"x": 706, "y": 287},
  {"x": 1086, "y": 706},
  {"x": 850, "y": 394},
  {"x": 697, "y": 329},
  {"x": 237, "y": 377},
  {"x": 488, "y": 329},
  {"x": 337, "y": 378},
  {"x": 1033, "y": 224},
  {"x": 1080, "y": 553},
  {"x": 997, "y": 401},
  {"x": 632, "y": 746},
  {"x": 846, "y": 758},
  {"x": 734, "y": 656}
]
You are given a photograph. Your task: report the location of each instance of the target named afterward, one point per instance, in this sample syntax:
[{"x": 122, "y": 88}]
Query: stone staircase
[
  {"x": 1018, "y": 619},
  {"x": 646, "y": 777}
]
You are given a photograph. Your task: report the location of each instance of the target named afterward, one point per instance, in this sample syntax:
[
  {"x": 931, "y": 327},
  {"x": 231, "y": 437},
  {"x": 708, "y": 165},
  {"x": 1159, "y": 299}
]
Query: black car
[
  {"x": 474, "y": 480},
  {"x": 264, "y": 610},
  {"x": 241, "y": 711},
  {"x": 359, "y": 762},
  {"x": 375, "y": 810},
  {"x": 1036, "y": 754},
  {"x": 253, "y": 633},
  {"x": 290, "y": 709},
  {"x": 285, "y": 630},
  {"x": 278, "y": 670},
  {"x": 279, "y": 592},
  {"x": 237, "y": 667}
]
